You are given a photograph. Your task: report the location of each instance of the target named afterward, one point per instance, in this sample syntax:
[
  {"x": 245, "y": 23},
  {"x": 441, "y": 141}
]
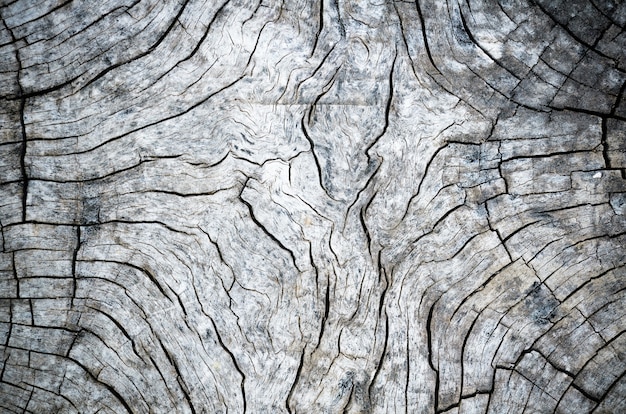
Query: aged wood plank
[{"x": 329, "y": 206}]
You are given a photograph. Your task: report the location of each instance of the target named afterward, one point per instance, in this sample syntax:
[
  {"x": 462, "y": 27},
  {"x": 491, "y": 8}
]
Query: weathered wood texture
[{"x": 313, "y": 206}]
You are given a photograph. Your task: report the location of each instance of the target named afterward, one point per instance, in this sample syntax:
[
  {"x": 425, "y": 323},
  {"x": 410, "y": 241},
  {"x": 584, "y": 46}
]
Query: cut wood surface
[{"x": 322, "y": 206}]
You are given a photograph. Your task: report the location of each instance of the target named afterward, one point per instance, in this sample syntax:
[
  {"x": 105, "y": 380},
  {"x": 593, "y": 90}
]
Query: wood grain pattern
[{"x": 312, "y": 206}]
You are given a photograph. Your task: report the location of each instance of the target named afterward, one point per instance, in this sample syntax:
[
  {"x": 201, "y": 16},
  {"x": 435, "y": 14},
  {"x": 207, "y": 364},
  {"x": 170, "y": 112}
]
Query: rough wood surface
[{"x": 312, "y": 206}]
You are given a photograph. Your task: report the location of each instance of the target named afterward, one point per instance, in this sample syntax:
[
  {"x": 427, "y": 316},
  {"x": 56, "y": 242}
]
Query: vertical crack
[
  {"x": 424, "y": 36},
  {"x": 30, "y": 397},
  {"x": 10, "y": 330},
  {"x": 295, "y": 381},
  {"x": 179, "y": 375},
  {"x": 17, "y": 280},
  {"x": 605, "y": 143},
  {"x": 381, "y": 270},
  {"x": 463, "y": 347},
  {"x": 319, "y": 28},
  {"x": 381, "y": 360},
  {"x": 317, "y": 162},
  {"x": 23, "y": 148},
  {"x": 387, "y": 106},
  {"x": 74, "y": 256},
  {"x": 493, "y": 386},
  {"x": 232, "y": 357},
  {"x": 408, "y": 371},
  {"x": 156, "y": 366},
  {"x": 430, "y": 355},
  {"x": 4, "y": 366},
  {"x": 367, "y": 232},
  {"x": 326, "y": 310},
  {"x": 22, "y": 99}
]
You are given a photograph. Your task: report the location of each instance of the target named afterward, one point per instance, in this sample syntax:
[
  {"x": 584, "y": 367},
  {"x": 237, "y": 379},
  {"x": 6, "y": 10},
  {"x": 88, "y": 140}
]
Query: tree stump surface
[{"x": 312, "y": 206}]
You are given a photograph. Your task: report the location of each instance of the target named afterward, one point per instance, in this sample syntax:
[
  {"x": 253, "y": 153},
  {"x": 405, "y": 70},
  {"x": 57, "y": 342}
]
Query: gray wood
[{"x": 313, "y": 207}]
